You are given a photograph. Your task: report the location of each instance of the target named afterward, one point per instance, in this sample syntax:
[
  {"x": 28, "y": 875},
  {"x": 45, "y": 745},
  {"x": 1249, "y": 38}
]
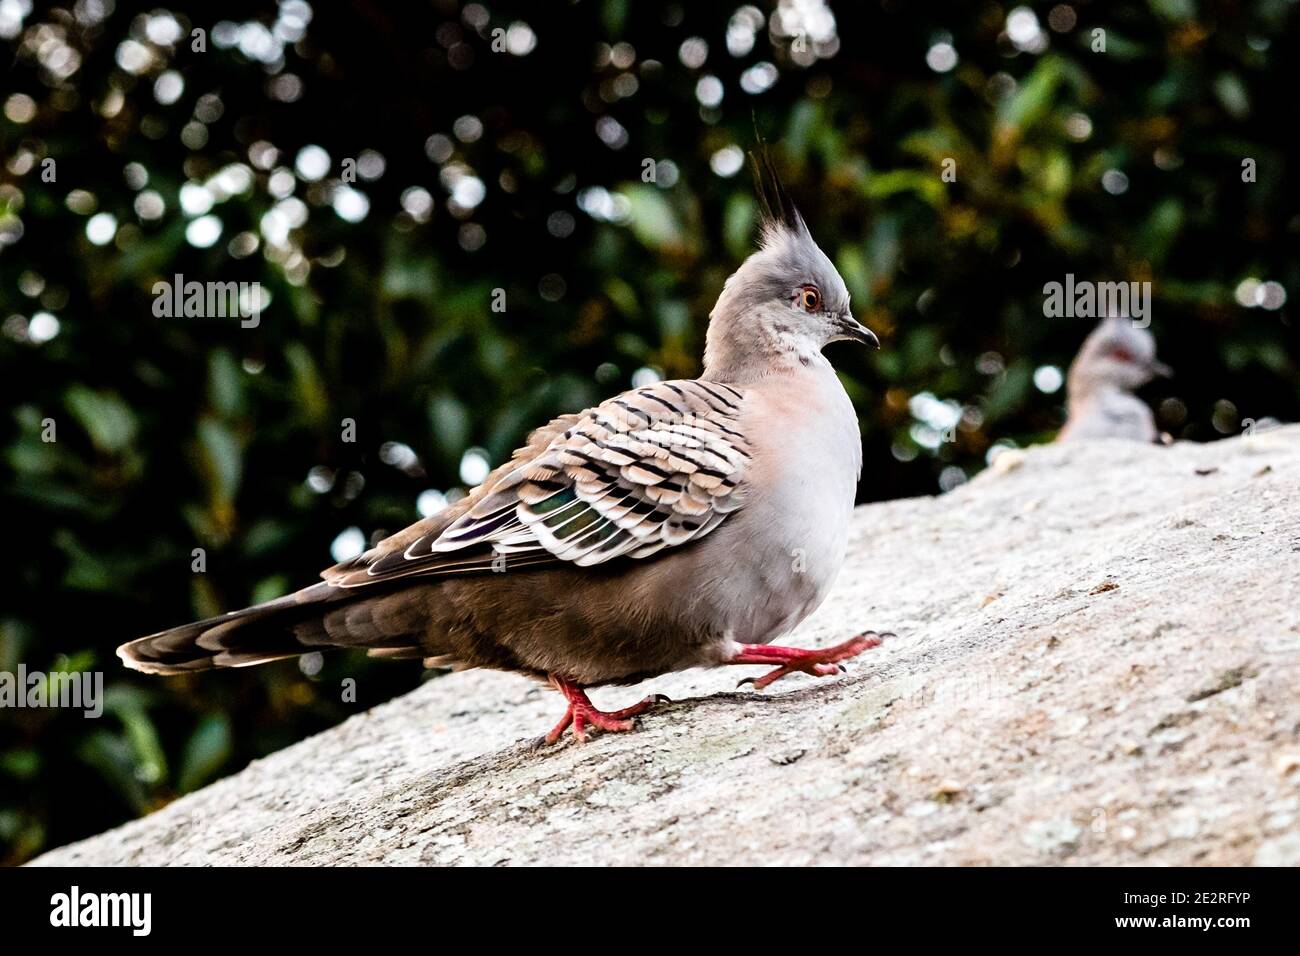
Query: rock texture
[{"x": 1097, "y": 662}]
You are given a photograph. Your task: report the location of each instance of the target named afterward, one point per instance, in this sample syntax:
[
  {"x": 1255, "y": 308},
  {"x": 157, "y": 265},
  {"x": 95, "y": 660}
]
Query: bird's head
[
  {"x": 787, "y": 301},
  {"x": 1118, "y": 354}
]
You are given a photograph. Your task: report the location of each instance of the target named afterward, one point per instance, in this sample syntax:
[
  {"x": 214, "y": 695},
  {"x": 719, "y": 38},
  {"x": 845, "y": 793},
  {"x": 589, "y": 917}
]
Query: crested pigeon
[
  {"x": 1116, "y": 358},
  {"x": 681, "y": 524}
]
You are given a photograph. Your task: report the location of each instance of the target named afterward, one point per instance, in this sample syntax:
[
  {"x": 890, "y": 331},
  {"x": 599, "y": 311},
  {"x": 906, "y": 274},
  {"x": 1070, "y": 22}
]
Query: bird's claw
[
  {"x": 582, "y": 713},
  {"x": 818, "y": 663}
]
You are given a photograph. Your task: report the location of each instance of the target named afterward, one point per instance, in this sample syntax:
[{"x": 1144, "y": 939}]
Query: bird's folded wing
[{"x": 651, "y": 469}]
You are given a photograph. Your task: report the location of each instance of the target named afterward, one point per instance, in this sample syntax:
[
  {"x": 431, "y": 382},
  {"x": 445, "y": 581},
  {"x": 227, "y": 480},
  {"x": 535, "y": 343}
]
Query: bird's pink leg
[
  {"x": 582, "y": 712},
  {"x": 790, "y": 660}
]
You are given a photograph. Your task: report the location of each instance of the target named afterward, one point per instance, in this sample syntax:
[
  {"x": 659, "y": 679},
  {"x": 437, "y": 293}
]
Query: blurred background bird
[{"x": 1116, "y": 359}]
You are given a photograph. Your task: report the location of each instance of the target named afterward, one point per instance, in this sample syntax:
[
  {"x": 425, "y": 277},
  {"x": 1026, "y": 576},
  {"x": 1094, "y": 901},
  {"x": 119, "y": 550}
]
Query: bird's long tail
[{"x": 315, "y": 618}]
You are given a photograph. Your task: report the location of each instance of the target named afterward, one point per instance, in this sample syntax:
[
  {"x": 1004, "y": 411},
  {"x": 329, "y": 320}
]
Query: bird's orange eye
[{"x": 809, "y": 299}]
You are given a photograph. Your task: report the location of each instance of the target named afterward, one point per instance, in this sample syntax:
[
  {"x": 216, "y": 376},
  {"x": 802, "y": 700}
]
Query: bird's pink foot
[
  {"x": 582, "y": 713},
  {"x": 790, "y": 660}
]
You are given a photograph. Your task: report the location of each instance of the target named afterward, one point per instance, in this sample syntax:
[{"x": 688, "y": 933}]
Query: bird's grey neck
[
  {"x": 1080, "y": 388},
  {"x": 752, "y": 368},
  {"x": 762, "y": 354}
]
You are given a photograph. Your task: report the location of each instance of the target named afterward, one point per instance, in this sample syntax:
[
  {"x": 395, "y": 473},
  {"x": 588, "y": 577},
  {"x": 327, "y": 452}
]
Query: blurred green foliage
[{"x": 521, "y": 170}]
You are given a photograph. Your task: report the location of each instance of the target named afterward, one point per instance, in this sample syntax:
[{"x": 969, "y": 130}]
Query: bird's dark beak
[
  {"x": 1161, "y": 369},
  {"x": 850, "y": 328}
]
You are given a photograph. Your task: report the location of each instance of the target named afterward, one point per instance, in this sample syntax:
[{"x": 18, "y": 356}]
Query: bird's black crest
[{"x": 775, "y": 205}]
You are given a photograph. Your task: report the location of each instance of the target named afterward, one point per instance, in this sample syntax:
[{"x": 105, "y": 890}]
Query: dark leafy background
[{"x": 175, "y": 434}]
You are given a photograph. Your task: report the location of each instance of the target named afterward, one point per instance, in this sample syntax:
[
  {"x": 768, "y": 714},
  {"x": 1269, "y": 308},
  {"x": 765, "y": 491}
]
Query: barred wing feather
[{"x": 653, "y": 468}]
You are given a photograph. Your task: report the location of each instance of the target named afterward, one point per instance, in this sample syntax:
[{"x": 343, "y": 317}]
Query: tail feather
[{"x": 286, "y": 627}]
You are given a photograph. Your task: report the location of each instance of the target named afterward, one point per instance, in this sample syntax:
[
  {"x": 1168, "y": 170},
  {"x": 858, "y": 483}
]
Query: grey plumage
[
  {"x": 1116, "y": 359},
  {"x": 671, "y": 526}
]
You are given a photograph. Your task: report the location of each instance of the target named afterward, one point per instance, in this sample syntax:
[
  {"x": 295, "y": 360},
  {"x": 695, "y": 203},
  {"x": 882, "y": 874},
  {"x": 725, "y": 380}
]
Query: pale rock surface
[{"x": 1097, "y": 662}]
